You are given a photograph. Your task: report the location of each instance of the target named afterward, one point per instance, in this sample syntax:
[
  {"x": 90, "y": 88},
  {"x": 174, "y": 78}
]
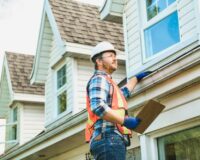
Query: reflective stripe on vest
[{"x": 119, "y": 104}]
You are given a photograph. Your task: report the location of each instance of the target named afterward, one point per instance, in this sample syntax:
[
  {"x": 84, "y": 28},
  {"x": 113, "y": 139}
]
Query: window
[
  {"x": 13, "y": 126},
  {"x": 180, "y": 145},
  {"x": 61, "y": 90},
  {"x": 161, "y": 29},
  {"x": 154, "y": 7}
]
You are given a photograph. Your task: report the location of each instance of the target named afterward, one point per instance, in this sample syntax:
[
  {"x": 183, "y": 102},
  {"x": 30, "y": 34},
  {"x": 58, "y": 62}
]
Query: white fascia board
[
  {"x": 28, "y": 97},
  {"x": 76, "y": 50},
  {"x": 53, "y": 24},
  {"x": 5, "y": 66},
  {"x": 107, "y": 13},
  {"x": 74, "y": 125},
  {"x": 37, "y": 55},
  {"x": 46, "y": 12}
]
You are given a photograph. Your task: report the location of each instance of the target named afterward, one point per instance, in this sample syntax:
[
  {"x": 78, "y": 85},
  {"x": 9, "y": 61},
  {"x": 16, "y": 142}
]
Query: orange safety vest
[{"x": 119, "y": 104}]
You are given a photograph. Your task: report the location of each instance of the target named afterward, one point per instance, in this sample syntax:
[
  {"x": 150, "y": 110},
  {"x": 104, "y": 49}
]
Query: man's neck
[{"x": 102, "y": 70}]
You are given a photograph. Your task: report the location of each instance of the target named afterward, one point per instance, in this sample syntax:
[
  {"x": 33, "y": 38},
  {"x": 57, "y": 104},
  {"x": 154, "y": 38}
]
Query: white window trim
[
  {"x": 148, "y": 142},
  {"x": 146, "y": 24},
  {"x": 59, "y": 91},
  {"x": 11, "y": 123}
]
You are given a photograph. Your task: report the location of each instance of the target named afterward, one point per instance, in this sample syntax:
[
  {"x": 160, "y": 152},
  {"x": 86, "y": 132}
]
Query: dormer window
[{"x": 61, "y": 90}]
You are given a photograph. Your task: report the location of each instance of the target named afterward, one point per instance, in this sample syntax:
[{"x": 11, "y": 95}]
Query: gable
[
  {"x": 80, "y": 23},
  {"x": 5, "y": 94},
  {"x": 20, "y": 66}
]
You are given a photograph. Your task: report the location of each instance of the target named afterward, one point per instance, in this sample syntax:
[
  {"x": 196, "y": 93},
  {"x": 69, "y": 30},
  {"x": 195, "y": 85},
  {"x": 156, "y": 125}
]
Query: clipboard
[{"x": 148, "y": 114}]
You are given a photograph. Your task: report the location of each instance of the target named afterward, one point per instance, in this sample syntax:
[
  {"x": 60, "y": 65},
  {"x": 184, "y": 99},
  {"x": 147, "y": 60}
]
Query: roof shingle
[
  {"x": 20, "y": 67},
  {"x": 80, "y": 23}
]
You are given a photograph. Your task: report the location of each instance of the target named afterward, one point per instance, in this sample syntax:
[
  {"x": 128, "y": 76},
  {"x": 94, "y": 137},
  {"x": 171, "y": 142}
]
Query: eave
[{"x": 112, "y": 10}]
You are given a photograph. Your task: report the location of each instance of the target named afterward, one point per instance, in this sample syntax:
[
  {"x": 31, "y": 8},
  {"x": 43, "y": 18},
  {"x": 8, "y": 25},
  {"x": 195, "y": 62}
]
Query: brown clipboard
[{"x": 148, "y": 114}]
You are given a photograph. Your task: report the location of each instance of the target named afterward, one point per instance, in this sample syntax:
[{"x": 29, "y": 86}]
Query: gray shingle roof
[
  {"x": 20, "y": 67},
  {"x": 80, "y": 23}
]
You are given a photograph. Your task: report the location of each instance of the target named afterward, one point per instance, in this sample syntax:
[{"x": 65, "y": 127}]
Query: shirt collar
[{"x": 100, "y": 72}]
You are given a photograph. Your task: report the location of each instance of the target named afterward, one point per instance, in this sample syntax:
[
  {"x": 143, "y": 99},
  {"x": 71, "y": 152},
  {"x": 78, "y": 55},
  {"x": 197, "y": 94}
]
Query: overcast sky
[{"x": 19, "y": 25}]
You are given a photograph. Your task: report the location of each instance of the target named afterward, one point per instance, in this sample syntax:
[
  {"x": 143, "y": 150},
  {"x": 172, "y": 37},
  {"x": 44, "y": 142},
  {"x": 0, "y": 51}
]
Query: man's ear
[{"x": 99, "y": 62}]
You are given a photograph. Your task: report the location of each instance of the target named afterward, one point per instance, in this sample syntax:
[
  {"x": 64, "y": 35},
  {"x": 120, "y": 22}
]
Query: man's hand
[
  {"x": 141, "y": 75},
  {"x": 131, "y": 122}
]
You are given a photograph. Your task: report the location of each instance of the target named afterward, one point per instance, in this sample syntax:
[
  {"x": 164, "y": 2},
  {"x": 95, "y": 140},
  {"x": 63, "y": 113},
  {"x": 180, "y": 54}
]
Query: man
[{"x": 108, "y": 127}]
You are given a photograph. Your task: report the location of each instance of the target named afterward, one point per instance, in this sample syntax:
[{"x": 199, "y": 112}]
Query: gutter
[{"x": 45, "y": 135}]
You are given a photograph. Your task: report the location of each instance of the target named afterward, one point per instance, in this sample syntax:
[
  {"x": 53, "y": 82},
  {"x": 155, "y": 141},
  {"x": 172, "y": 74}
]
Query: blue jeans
[{"x": 109, "y": 147}]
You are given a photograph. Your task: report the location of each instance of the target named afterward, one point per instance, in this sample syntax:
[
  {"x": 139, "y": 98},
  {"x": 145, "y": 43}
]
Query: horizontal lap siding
[
  {"x": 45, "y": 49},
  {"x": 133, "y": 45},
  {"x": 85, "y": 71},
  {"x": 49, "y": 97},
  {"x": 70, "y": 69},
  {"x": 187, "y": 19},
  {"x": 33, "y": 122}
]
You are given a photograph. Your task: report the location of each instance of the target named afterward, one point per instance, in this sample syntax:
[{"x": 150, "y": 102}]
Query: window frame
[
  {"x": 150, "y": 140},
  {"x": 11, "y": 124},
  {"x": 59, "y": 91},
  {"x": 148, "y": 23}
]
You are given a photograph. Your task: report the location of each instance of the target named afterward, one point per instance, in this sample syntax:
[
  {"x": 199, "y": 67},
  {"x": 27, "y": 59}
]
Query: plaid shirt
[{"x": 100, "y": 101}]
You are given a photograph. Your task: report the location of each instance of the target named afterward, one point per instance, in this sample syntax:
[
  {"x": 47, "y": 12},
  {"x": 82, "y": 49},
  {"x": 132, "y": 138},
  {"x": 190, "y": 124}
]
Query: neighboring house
[
  {"x": 163, "y": 36},
  {"x": 21, "y": 104},
  {"x": 69, "y": 30}
]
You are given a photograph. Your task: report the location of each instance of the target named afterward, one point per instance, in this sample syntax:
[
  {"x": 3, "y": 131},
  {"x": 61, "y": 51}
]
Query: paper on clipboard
[{"x": 148, "y": 114}]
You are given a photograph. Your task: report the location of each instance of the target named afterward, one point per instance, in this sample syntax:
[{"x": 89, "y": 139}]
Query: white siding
[
  {"x": 187, "y": 19},
  {"x": 85, "y": 71},
  {"x": 132, "y": 29},
  {"x": 187, "y": 12},
  {"x": 33, "y": 121},
  {"x": 45, "y": 48},
  {"x": 4, "y": 96},
  {"x": 49, "y": 96}
]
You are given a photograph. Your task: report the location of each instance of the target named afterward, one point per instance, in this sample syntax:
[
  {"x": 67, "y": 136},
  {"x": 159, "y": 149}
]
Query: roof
[
  {"x": 80, "y": 23},
  {"x": 20, "y": 66}
]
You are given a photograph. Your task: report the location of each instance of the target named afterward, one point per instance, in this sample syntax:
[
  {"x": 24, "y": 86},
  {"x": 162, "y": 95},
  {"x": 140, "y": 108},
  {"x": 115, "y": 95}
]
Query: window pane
[
  {"x": 133, "y": 154},
  {"x": 162, "y": 4},
  {"x": 154, "y": 7},
  {"x": 62, "y": 103},
  {"x": 170, "y": 2},
  {"x": 162, "y": 35},
  {"x": 152, "y": 12},
  {"x": 15, "y": 114},
  {"x": 61, "y": 77},
  {"x": 14, "y": 132},
  {"x": 150, "y": 2},
  {"x": 180, "y": 146}
]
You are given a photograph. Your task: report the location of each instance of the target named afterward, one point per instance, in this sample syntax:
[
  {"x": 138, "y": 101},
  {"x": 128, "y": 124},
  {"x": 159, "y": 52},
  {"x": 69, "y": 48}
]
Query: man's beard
[{"x": 109, "y": 68}]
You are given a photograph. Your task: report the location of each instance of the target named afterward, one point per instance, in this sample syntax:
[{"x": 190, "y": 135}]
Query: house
[
  {"x": 163, "y": 36},
  {"x": 69, "y": 30},
  {"x": 21, "y": 104}
]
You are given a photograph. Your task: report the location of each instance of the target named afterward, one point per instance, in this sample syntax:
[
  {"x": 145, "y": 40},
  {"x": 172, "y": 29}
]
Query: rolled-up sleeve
[
  {"x": 125, "y": 92},
  {"x": 98, "y": 92}
]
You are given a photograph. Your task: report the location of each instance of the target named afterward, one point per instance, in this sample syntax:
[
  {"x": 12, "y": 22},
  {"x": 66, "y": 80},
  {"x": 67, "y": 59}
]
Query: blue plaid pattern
[{"x": 100, "y": 100}]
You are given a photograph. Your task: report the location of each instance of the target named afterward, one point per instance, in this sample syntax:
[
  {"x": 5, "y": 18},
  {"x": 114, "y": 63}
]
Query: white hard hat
[{"x": 102, "y": 47}]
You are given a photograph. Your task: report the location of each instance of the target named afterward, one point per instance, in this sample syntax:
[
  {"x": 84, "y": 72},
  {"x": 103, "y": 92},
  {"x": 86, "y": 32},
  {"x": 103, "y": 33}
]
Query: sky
[
  {"x": 19, "y": 30},
  {"x": 19, "y": 25}
]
